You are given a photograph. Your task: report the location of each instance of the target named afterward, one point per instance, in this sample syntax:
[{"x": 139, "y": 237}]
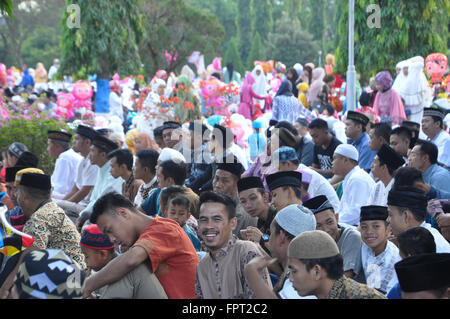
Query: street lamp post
[{"x": 351, "y": 72}]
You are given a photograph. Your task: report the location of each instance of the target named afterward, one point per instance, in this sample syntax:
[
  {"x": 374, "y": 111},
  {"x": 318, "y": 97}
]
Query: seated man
[
  {"x": 220, "y": 274},
  {"x": 432, "y": 126},
  {"x": 380, "y": 134},
  {"x": 316, "y": 269},
  {"x": 122, "y": 166},
  {"x": 144, "y": 239},
  {"x": 66, "y": 161},
  {"x": 140, "y": 283},
  {"x": 401, "y": 141},
  {"x": 285, "y": 188},
  {"x": 347, "y": 238},
  {"x": 145, "y": 169},
  {"x": 357, "y": 184},
  {"x": 46, "y": 222}
]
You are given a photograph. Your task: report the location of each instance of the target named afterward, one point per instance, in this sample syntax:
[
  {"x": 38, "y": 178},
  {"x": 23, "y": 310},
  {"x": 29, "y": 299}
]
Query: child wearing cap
[
  {"x": 140, "y": 283},
  {"x": 378, "y": 254}
]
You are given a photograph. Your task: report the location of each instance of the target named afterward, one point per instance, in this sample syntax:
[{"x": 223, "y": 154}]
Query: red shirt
[{"x": 172, "y": 256}]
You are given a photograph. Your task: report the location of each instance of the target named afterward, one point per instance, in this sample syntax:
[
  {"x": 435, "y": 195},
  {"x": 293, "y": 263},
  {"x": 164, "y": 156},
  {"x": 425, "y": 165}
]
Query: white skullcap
[
  {"x": 296, "y": 219},
  {"x": 347, "y": 150},
  {"x": 168, "y": 154}
]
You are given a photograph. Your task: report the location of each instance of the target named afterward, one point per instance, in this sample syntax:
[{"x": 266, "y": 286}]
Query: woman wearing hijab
[
  {"x": 286, "y": 107},
  {"x": 260, "y": 86},
  {"x": 316, "y": 87},
  {"x": 143, "y": 141},
  {"x": 388, "y": 104},
  {"x": 231, "y": 76},
  {"x": 292, "y": 76},
  {"x": 246, "y": 108}
]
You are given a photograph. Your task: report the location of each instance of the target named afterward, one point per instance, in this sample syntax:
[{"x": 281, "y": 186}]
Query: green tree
[
  {"x": 244, "y": 24},
  {"x": 6, "y": 6},
  {"x": 232, "y": 55},
  {"x": 257, "y": 52},
  {"x": 407, "y": 29},
  {"x": 41, "y": 46},
  {"x": 290, "y": 43},
  {"x": 262, "y": 18},
  {"x": 179, "y": 28}
]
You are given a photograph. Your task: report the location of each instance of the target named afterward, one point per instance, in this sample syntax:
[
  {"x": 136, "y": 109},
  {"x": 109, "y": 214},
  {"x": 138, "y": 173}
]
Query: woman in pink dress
[
  {"x": 388, "y": 104},
  {"x": 246, "y": 108}
]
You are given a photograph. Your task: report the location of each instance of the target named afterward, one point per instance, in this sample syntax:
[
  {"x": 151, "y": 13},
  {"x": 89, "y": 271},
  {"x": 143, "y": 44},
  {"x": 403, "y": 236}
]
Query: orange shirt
[{"x": 172, "y": 256}]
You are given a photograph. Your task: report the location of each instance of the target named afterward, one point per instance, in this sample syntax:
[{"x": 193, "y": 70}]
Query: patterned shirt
[
  {"x": 223, "y": 276},
  {"x": 52, "y": 229},
  {"x": 346, "y": 288}
]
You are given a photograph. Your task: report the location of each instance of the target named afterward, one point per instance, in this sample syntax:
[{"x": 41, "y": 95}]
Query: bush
[{"x": 30, "y": 128}]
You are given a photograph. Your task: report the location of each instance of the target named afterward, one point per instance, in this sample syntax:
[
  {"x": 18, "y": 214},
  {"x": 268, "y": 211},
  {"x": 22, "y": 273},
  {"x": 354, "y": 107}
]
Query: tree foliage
[
  {"x": 262, "y": 19},
  {"x": 178, "y": 28},
  {"x": 232, "y": 55},
  {"x": 407, "y": 29},
  {"x": 290, "y": 43},
  {"x": 257, "y": 52},
  {"x": 106, "y": 41},
  {"x": 244, "y": 24}
]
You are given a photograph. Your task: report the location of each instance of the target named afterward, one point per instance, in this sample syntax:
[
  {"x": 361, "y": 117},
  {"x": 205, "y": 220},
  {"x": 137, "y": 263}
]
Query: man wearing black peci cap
[
  {"x": 67, "y": 161},
  {"x": 285, "y": 188},
  {"x": 225, "y": 181},
  {"x": 432, "y": 126},
  {"x": 407, "y": 207},
  {"x": 46, "y": 222},
  {"x": 355, "y": 130},
  {"x": 172, "y": 135},
  {"x": 425, "y": 276},
  {"x": 85, "y": 176},
  {"x": 384, "y": 166},
  {"x": 105, "y": 183}
]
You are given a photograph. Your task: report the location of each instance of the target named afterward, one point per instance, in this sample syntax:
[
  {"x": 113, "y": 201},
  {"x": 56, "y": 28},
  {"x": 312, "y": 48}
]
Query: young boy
[
  {"x": 178, "y": 209},
  {"x": 140, "y": 283},
  {"x": 378, "y": 254}
]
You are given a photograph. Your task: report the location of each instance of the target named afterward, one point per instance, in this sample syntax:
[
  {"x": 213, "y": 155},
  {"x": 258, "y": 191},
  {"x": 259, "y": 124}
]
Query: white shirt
[
  {"x": 379, "y": 270},
  {"x": 356, "y": 189},
  {"x": 86, "y": 176},
  {"x": 380, "y": 193},
  {"x": 138, "y": 200},
  {"x": 320, "y": 186},
  {"x": 115, "y": 105},
  {"x": 63, "y": 177},
  {"x": 240, "y": 154},
  {"x": 105, "y": 183},
  {"x": 442, "y": 245},
  {"x": 442, "y": 141},
  {"x": 288, "y": 292}
]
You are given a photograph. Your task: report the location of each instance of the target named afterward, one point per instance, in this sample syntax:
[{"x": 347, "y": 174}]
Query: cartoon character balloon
[
  {"x": 436, "y": 65},
  {"x": 64, "y": 104},
  {"x": 82, "y": 92}
]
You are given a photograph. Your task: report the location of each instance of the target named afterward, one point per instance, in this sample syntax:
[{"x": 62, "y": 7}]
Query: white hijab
[
  {"x": 400, "y": 80},
  {"x": 415, "y": 90},
  {"x": 260, "y": 85}
]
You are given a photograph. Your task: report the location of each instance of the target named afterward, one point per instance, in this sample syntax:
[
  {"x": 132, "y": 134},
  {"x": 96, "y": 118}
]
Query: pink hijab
[
  {"x": 388, "y": 102},
  {"x": 316, "y": 84}
]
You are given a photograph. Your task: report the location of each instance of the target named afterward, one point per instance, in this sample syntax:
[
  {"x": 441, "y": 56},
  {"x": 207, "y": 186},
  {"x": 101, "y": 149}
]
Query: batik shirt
[
  {"x": 379, "y": 270},
  {"x": 223, "y": 276},
  {"x": 346, "y": 288}
]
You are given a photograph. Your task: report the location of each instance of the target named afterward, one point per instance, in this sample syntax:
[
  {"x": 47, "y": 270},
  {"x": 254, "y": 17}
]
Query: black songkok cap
[
  {"x": 291, "y": 178},
  {"x": 431, "y": 111},
  {"x": 59, "y": 136},
  {"x": 233, "y": 167},
  {"x": 408, "y": 197},
  {"x": 86, "y": 131},
  {"x": 36, "y": 180},
  {"x": 105, "y": 143},
  {"x": 424, "y": 272},
  {"x": 27, "y": 159},
  {"x": 374, "y": 213},
  {"x": 10, "y": 173},
  {"x": 358, "y": 117},
  {"x": 249, "y": 183},
  {"x": 390, "y": 157},
  {"x": 411, "y": 125},
  {"x": 318, "y": 204}
]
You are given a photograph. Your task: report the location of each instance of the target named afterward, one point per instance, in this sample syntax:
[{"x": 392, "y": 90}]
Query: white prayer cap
[
  {"x": 347, "y": 150},
  {"x": 296, "y": 219},
  {"x": 168, "y": 154}
]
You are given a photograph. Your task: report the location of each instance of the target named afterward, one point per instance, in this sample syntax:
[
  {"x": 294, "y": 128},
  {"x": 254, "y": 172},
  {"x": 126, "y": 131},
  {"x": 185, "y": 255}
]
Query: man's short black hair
[
  {"x": 107, "y": 204},
  {"x": 319, "y": 124},
  {"x": 158, "y": 131},
  {"x": 123, "y": 156},
  {"x": 383, "y": 130},
  {"x": 297, "y": 190},
  {"x": 407, "y": 176},
  {"x": 288, "y": 126},
  {"x": 403, "y": 132},
  {"x": 430, "y": 149},
  {"x": 175, "y": 170},
  {"x": 181, "y": 200},
  {"x": 391, "y": 171},
  {"x": 216, "y": 197},
  {"x": 416, "y": 241},
  {"x": 148, "y": 158},
  {"x": 170, "y": 192},
  {"x": 334, "y": 266}
]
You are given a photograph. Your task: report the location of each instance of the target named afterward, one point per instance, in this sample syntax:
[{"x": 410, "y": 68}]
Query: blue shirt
[
  {"x": 193, "y": 237},
  {"x": 366, "y": 155},
  {"x": 151, "y": 204},
  {"x": 438, "y": 177},
  {"x": 395, "y": 292}
]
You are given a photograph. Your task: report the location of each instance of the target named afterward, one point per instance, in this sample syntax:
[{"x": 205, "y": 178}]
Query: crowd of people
[{"x": 273, "y": 190}]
